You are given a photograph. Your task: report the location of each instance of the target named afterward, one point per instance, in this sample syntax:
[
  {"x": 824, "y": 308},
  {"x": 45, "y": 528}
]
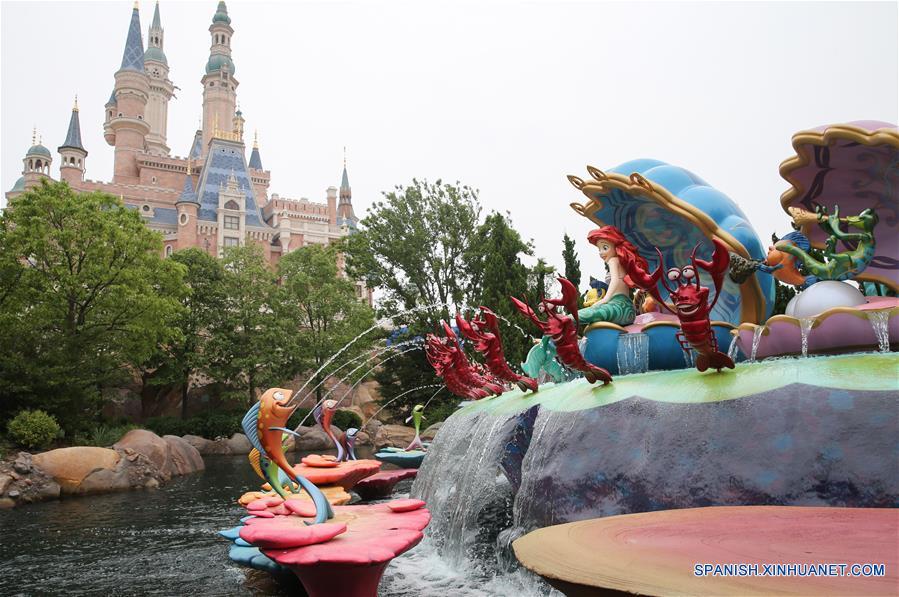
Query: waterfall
[
  {"x": 756, "y": 338},
  {"x": 880, "y": 322},
  {"x": 633, "y": 353},
  {"x": 734, "y": 349},
  {"x": 805, "y": 326},
  {"x": 467, "y": 545}
]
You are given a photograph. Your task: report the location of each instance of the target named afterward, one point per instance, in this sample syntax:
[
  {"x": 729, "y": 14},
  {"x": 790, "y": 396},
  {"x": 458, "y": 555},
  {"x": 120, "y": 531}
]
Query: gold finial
[
  {"x": 136, "y": 6},
  {"x": 34, "y": 135},
  {"x": 75, "y": 109},
  {"x": 255, "y": 139},
  {"x": 344, "y": 156},
  {"x": 189, "y": 167}
]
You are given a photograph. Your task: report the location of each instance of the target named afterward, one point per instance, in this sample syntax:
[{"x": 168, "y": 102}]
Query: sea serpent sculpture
[{"x": 263, "y": 425}]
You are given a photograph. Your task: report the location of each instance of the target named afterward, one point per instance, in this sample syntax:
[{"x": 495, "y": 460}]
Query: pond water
[{"x": 165, "y": 542}]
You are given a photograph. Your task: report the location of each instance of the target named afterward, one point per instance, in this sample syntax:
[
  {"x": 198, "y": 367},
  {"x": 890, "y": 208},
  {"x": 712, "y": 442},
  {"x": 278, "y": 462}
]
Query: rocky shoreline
[{"x": 143, "y": 460}]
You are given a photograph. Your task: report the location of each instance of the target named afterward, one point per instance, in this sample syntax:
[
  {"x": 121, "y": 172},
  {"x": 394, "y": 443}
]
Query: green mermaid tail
[
  {"x": 542, "y": 357},
  {"x": 618, "y": 310}
]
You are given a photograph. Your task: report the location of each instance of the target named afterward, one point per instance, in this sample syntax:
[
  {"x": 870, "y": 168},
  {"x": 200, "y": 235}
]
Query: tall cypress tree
[{"x": 572, "y": 264}]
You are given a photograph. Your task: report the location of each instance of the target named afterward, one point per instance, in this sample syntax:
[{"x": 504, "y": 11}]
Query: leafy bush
[
  {"x": 210, "y": 425},
  {"x": 33, "y": 429},
  {"x": 103, "y": 436},
  {"x": 343, "y": 419}
]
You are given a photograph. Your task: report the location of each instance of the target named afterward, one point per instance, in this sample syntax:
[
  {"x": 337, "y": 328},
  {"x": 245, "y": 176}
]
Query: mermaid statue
[{"x": 615, "y": 305}]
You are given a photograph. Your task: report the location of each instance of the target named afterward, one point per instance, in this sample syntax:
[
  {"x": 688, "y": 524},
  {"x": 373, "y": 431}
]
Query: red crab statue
[
  {"x": 451, "y": 364},
  {"x": 562, "y": 328},
  {"x": 483, "y": 331},
  {"x": 691, "y": 302}
]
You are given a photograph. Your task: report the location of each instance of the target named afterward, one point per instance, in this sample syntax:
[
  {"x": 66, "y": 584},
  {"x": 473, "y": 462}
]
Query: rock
[
  {"x": 239, "y": 444},
  {"x": 69, "y": 467},
  {"x": 21, "y": 467},
  {"x": 431, "y": 432},
  {"x": 184, "y": 458},
  {"x": 150, "y": 445},
  {"x": 151, "y": 484},
  {"x": 363, "y": 439},
  {"x": 6, "y": 503},
  {"x": 313, "y": 438},
  {"x": 399, "y": 436},
  {"x": 14, "y": 493},
  {"x": 5, "y": 480},
  {"x": 200, "y": 443}
]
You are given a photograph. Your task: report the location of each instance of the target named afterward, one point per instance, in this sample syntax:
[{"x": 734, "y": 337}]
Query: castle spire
[
  {"x": 157, "y": 24},
  {"x": 73, "y": 136},
  {"x": 133, "y": 56},
  {"x": 255, "y": 159},
  {"x": 345, "y": 206}
]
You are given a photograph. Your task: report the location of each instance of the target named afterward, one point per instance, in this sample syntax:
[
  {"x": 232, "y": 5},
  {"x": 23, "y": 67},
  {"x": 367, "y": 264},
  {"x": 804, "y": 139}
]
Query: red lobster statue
[
  {"x": 483, "y": 331},
  {"x": 562, "y": 329},
  {"x": 451, "y": 364},
  {"x": 691, "y": 302}
]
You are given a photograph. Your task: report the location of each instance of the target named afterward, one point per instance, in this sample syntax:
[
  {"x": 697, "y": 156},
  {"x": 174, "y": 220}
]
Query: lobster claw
[{"x": 717, "y": 267}]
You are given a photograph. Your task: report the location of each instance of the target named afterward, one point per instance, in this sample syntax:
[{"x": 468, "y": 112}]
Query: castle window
[
  {"x": 153, "y": 180},
  {"x": 232, "y": 223},
  {"x": 168, "y": 250},
  {"x": 231, "y": 241},
  {"x": 182, "y": 219},
  {"x": 146, "y": 207}
]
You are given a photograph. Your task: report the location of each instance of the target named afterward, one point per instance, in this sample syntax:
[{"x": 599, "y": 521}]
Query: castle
[{"x": 213, "y": 198}]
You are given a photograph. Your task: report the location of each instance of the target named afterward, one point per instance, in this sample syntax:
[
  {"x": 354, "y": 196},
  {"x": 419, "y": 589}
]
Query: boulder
[
  {"x": 239, "y": 444},
  {"x": 70, "y": 467},
  {"x": 431, "y": 432},
  {"x": 150, "y": 445},
  {"x": 398, "y": 436},
  {"x": 200, "y": 443},
  {"x": 184, "y": 458},
  {"x": 313, "y": 438}
]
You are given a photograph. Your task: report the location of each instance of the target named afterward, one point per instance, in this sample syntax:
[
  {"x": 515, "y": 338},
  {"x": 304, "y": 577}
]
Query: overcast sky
[{"x": 507, "y": 97}]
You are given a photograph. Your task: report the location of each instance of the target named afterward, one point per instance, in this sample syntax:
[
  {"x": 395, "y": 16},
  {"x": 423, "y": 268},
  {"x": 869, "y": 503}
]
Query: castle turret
[
  {"x": 219, "y": 84},
  {"x": 72, "y": 152},
  {"x": 188, "y": 205},
  {"x": 128, "y": 129},
  {"x": 161, "y": 88},
  {"x": 255, "y": 159},
  {"x": 237, "y": 124},
  {"x": 36, "y": 163},
  {"x": 345, "y": 206}
]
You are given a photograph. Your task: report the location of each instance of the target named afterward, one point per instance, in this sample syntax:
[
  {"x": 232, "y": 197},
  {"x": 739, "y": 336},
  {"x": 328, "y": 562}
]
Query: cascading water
[
  {"x": 734, "y": 349},
  {"x": 805, "y": 326},
  {"x": 689, "y": 357},
  {"x": 633, "y": 353},
  {"x": 756, "y": 338},
  {"x": 470, "y": 501},
  {"x": 880, "y": 322}
]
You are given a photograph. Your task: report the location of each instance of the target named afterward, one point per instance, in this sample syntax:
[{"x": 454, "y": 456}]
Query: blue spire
[
  {"x": 345, "y": 181},
  {"x": 112, "y": 99},
  {"x": 196, "y": 149},
  {"x": 157, "y": 24},
  {"x": 133, "y": 57},
  {"x": 73, "y": 137},
  {"x": 255, "y": 160}
]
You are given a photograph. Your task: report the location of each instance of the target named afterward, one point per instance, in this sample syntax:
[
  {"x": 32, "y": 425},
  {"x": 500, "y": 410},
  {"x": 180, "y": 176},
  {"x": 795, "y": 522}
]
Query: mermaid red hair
[{"x": 626, "y": 252}]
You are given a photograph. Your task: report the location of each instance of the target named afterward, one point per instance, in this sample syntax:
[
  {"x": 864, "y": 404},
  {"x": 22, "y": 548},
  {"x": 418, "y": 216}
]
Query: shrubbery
[
  {"x": 103, "y": 436},
  {"x": 344, "y": 419},
  {"x": 209, "y": 425},
  {"x": 33, "y": 429}
]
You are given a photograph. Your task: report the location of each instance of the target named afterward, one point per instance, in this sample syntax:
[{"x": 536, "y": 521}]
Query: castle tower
[
  {"x": 36, "y": 163},
  {"x": 161, "y": 88},
  {"x": 187, "y": 205},
  {"x": 255, "y": 160},
  {"x": 237, "y": 124},
  {"x": 345, "y": 206},
  {"x": 71, "y": 152},
  {"x": 127, "y": 129},
  {"x": 219, "y": 84}
]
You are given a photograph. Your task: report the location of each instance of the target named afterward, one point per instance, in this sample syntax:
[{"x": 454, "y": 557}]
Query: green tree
[
  {"x": 325, "y": 310},
  {"x": 572, "y": 264},
  {"x": 411, "y": 246},
  {"x": 494, "y": 263},
  {"x": 783, "y": 293},
  {"x": 180, "y": 358},
  {"x": 249, "y": 337},
  {"x": 540, "y": 278},
  {"x": 86, "y": 297}
]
